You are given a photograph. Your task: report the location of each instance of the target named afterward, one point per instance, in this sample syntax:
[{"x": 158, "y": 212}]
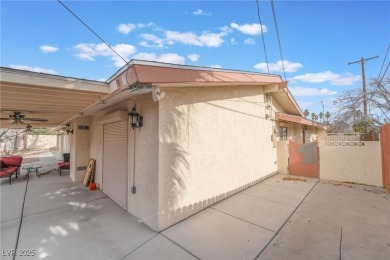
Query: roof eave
[{"x": 299, "y": 120}]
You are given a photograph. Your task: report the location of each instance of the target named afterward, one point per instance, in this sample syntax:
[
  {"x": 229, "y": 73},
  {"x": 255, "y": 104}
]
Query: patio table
[{"x": 31, "y": 168}]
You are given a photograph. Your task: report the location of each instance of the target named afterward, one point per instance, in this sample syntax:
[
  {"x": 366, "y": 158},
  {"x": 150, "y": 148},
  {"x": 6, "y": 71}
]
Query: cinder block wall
[{"x": 360, "y": 164}]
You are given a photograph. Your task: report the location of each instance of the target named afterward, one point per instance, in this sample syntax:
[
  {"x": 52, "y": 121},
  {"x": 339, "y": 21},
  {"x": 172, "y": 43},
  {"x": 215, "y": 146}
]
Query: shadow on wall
[
  {"x": 179, "y": 165},
  {"x": 176, "y": 137}
]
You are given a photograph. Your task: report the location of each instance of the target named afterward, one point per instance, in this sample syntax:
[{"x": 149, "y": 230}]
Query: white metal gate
[{"x": 115, "y": 162}]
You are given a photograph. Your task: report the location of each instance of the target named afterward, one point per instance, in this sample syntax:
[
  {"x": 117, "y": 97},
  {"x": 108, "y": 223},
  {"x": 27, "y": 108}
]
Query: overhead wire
[
  {"x": 384, "y": 73},
  {"x": 277, "y": 33},
  {"x": 384, "y": 60},
  {"x": 89, "y": 28},
  {"x": 262, "y": 34}
]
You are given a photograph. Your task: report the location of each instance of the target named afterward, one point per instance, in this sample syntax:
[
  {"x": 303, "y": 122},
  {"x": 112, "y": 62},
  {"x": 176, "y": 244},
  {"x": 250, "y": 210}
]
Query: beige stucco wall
[
  {"x": 213, "y": 142},
  {"x": 294, "y": 132},
  {"x": 360, "y": 164},
  {"x": 80, "y": 148},
  {"x": 143, "y": 204},
  {"x": 41, "y": 141},
  {"x": 282, "y": 156}
]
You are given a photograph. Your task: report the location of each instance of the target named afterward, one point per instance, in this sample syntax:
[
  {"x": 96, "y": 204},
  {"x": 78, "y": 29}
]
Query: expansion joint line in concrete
[
  {"x": 341, "y": 240},
  {"x": 277, "y": 232},
  {"x": 67, "y": 206},
  {"x": 139, "y": 246},
  {"x": 273, "y": 231},
  {"x": 180, "y": 246},
  {"x": 21, "y": 218}
]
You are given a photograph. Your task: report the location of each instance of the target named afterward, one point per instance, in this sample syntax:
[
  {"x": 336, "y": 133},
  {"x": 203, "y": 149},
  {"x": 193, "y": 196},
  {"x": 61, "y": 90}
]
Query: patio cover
[{"x": 39, "y": 95}]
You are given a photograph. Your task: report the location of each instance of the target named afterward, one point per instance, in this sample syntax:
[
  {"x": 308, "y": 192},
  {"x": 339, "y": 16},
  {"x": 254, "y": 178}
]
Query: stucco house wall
[
  {"x": 80, "y": 148},
  {"x": 213, "y": 142},
  {"x": 144, "y": 203}
]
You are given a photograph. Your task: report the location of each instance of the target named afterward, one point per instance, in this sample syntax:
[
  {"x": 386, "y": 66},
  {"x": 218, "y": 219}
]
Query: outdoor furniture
[
  {"x": 9, "y": 166},
  {"x": 30, "y": 168},
  {"x": 65, "y": 164}
]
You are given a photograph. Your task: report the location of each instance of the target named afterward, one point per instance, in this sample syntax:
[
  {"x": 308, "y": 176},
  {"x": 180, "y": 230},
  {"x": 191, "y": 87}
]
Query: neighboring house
[{"x": 207, "y": 134}]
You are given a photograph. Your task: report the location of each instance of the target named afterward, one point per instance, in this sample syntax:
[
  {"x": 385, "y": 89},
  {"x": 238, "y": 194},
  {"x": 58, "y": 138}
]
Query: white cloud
[
  {"x": 88, "y": 51},
  {"x": 166, "y": 57},
  {"x": 194, "y": 57},
  {"x": 211, "y": 39},
  {"x": 305, "y": 104},
  {"x": 251, "y": 29},
  {"x": 335, "y": 79},
  {"x": 126, "y": 28},
  {"x": 156, "y": 41},
  {"x": 301, "y": 91},
  {"x": 226, "y": 29},
  {"x": 34, "y": 69},
  {"x": 190, "y": 38},
  {"x": 233, "y": 41},
  {"x": 201, "y": 12},
  {"x": 143, "y": 25},
  {"x": 216, "y": 66},
  {"x": 278, "y": 66},
  {"x": 250, "y": 41},
  {"x": 48, "y": 49}
]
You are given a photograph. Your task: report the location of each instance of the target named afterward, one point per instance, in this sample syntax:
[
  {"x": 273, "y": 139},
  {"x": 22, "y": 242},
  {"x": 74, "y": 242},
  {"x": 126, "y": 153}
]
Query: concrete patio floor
[{"x": 274, "y": 219}]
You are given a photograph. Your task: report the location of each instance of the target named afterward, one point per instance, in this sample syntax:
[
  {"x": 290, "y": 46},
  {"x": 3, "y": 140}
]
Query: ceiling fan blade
[
  {"x": 4, "y": 118},
  {"x": 36, "y": 119}
]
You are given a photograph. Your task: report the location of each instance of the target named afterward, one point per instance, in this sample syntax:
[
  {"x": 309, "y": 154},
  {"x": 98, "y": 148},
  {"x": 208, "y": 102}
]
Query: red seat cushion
[
  {"x": 63, "y": 164},
  {"x": 6, "y": 172},
  {"x": 12, "y": 160}
]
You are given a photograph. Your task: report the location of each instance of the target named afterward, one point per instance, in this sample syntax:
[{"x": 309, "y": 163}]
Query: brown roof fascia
[
  {"x": 156, "y": 73},
  {"x": 298, "y": 120}
]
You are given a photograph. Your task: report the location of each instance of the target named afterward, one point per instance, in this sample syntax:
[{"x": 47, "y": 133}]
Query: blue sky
[{"x": 318, "y": 39}]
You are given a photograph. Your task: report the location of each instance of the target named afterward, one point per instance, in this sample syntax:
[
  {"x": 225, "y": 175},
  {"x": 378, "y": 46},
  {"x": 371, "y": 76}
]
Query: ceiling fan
[{"x": 18, "y": 118}]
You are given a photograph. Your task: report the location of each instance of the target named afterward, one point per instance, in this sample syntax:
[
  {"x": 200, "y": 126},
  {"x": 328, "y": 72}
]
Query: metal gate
[
  {"x": 303, "y": 159},
  {"x": 385, "y": 147}
]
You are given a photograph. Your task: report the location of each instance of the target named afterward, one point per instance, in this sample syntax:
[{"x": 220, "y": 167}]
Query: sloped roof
[
  {"x": 298, "y": 120},
  {"x": 60, "y": 99}
]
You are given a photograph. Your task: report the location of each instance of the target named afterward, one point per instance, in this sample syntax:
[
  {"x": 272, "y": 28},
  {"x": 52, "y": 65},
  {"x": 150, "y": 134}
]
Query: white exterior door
[{"x": 115, "y": 162}]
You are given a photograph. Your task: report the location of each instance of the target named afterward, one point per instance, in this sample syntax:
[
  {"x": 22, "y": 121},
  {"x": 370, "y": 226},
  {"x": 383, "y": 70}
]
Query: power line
[
  {"x": 277, "y": 33},
  {"x": 89, "y": 28},
  {"x": 384, "y": 73},
  {"x": 262, "y": 34},
  {"x": 384, "y": 60}
]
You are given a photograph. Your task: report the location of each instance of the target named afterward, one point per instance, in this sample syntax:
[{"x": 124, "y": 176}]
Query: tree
[
  {"x": 321, "y": 116},
  {"x": 313, "y": 116},
  {"x": 350, "y": 106},
  {"x": 306, "y": 113},
  {"x": 327, "y": 115}
]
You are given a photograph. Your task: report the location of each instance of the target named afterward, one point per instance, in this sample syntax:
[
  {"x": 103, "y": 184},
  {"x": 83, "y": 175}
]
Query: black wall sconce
[
  {"x": 68, "y": 129},
  {"x": 136, "y": 118}
]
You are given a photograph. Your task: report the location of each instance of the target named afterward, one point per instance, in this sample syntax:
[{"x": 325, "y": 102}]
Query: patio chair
[
  {"x": 65, "y": 164},
  {"x": 10, "y": 165}
]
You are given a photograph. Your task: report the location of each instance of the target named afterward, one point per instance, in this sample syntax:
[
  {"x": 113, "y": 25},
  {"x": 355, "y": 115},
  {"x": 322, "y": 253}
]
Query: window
[{"x": 283, "y": 133}]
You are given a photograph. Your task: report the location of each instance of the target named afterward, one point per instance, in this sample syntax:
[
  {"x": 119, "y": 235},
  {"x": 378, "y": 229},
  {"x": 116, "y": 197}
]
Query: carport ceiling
[{"x": 38, "y": 95}]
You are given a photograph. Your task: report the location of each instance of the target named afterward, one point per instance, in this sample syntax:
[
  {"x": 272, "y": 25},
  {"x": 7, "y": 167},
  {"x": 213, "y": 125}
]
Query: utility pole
[{"x": 362, "y": 61}]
